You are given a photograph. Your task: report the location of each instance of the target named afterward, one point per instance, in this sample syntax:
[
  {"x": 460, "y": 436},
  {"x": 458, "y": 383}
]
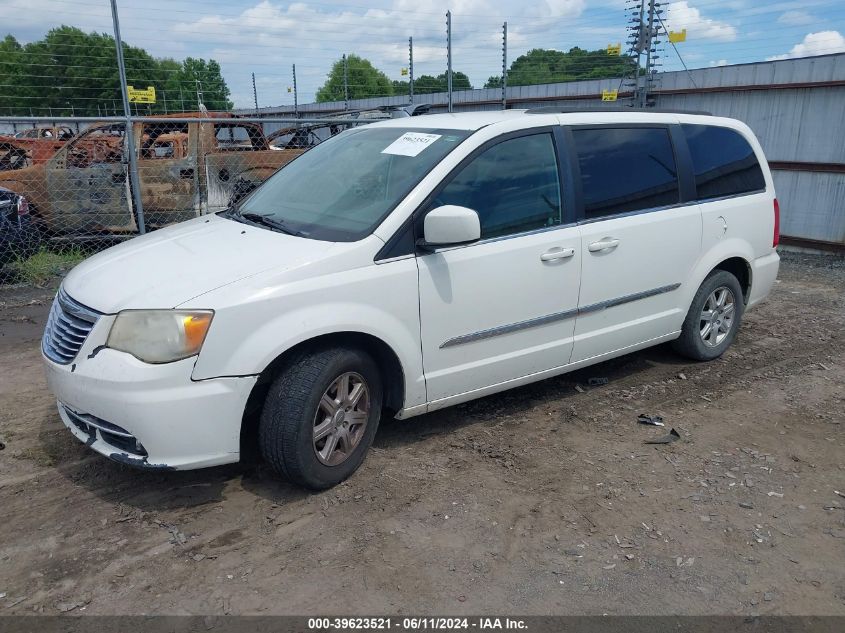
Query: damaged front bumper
[{"x": 149, "y": 416}]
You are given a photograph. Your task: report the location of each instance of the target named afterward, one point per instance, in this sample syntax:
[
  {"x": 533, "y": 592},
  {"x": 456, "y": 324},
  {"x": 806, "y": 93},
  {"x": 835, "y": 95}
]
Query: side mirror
[{"x": 450, "y": 225}]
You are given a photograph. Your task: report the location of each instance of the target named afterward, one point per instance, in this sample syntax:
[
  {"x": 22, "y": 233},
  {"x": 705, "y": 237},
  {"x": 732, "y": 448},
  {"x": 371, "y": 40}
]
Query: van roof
[{"x": 477, "y": 120}]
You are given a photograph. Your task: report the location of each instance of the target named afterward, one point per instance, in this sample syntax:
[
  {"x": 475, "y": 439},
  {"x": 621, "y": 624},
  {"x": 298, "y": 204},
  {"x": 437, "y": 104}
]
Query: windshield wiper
[{"x": 266, "y": 220}]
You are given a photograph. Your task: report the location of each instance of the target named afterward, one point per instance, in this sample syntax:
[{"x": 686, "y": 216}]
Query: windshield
[{"x": 344, "y": 187}]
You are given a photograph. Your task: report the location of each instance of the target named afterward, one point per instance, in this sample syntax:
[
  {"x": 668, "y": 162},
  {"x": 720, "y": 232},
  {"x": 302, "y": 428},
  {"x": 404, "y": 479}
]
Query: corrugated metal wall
[{"x": 796, "y": 107}]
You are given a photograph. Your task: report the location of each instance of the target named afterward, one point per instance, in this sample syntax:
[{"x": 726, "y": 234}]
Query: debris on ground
[
  {"x": 65, "y": 607},
  {"x": 598, "y": 382},
  {"x": 671, "y": 436},
  {"x": 653, "y": 420}
]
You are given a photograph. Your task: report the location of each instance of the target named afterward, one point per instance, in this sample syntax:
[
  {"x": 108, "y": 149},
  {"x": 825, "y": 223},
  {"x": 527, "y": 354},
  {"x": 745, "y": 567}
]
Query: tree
[
  {"x": 427, "y": 84},
  {"x": 364, "y": 80},
  {"x": 70, "y": 72},
  {"x": 546, "y": 66}
]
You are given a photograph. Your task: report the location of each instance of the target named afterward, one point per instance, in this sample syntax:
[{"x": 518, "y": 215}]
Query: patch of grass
[{"x": 46, "y": 265}]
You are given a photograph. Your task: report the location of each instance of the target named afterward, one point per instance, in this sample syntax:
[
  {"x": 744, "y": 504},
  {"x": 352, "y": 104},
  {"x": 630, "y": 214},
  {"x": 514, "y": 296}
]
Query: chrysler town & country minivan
[{"x": 409, "y": 265}]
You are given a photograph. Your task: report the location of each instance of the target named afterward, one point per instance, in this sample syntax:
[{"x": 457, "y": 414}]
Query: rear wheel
[
  {"x": 321, "y": 415},
  {"x": 713, "y": 318}
]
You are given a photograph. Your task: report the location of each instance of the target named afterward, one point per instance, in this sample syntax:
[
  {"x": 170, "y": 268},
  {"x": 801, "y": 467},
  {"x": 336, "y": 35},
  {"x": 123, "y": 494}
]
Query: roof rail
[{"x": 561, "y": 110}]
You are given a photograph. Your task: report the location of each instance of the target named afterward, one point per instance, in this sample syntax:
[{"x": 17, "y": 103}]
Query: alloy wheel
[
  {"x": 717, "y": 316},
  {"x": 341, "y": 418}
]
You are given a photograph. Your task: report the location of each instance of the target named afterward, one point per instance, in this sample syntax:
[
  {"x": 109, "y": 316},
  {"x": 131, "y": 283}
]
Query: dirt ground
[{"x": 542, "y": 500}]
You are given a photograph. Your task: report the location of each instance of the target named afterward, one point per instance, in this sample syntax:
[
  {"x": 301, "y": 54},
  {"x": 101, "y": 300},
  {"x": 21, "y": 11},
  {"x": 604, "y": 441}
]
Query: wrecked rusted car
[
  {"x": 32, "y": 146},
  {"x": 185, "y": 169},
  {"x": 303, "y": 136}
]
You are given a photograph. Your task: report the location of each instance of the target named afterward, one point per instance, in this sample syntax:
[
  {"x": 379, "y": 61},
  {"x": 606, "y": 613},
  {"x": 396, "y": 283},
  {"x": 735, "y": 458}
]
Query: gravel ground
[{"x": 541, "y": 500}]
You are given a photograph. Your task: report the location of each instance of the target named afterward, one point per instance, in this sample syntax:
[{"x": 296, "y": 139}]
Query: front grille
[
  {"x": 110, "y": 433},
  {"x": 67, "y": 328}
]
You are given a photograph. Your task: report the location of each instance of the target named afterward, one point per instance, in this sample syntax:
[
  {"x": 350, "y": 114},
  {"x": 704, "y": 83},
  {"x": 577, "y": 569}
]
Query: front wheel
[
  {"x": 713, "y": 318},
  {"x": 321, "y": 415}
]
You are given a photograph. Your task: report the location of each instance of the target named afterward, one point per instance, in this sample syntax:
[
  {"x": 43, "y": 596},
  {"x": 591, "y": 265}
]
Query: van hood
[{"x": 168, "y": 267}]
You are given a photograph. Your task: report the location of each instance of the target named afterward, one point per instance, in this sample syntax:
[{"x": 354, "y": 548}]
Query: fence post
[
  {"x": 134, "y": 181},
  {"x": 504, "y": 66},
  {"x": 345, "y": 83},
  {"x": 295, "y": 97},
  {"x": 254, "y": 94},
  {"x": 449, "y": 57},
  {"x": 411, "y": 68}
]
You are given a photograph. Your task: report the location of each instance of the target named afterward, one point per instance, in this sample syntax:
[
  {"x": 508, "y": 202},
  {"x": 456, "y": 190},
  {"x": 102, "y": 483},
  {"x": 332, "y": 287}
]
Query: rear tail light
[
  {"x": 23, "y": 206},
  {"x": 776, "y": 237}
]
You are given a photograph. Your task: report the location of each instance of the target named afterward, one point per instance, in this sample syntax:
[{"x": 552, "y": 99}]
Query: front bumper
[{"x": 173, "y": 422}]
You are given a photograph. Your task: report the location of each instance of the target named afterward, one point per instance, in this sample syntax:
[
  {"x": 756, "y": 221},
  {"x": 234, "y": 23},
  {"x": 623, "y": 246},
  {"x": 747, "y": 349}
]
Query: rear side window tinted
[
  {"x": 513, "y": 186},
  {"x": 723, "y": 162},
  {"x": 626, "y": 169}
]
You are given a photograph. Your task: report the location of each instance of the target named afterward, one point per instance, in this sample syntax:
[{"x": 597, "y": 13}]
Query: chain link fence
[{"x": 66, "y": 186}]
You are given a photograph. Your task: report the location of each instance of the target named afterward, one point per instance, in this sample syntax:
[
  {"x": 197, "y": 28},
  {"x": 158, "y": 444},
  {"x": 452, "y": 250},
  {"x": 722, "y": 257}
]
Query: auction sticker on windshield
[{"x": 410, "y": 144}]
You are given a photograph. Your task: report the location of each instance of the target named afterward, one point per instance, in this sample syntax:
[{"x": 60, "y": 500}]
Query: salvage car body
[
  {"x": 32, "y": 146},
  {"x": 185, "y": 169}
]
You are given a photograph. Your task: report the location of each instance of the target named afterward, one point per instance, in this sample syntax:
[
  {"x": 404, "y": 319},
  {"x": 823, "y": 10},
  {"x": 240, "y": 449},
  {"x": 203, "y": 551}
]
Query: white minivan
[{"x": 405, "y": 266}]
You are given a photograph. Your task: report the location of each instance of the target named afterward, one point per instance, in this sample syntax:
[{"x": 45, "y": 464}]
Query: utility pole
[
  {"x": 129, "y": 138},
  {"x": 181, "y": 99},
  {"x": 411, "y": 68},
  {"x": 650, "y": 38},
  {"x": 449, "y": 57},
  {"x": 164, "y": 99},
  {"x": 504, "y": 66},
  {"x": 295, "y": 97},
  {"x": 642, "y": 40},
  {"x": 345, "y": 83},
  {"x": 254, "y": 94}
]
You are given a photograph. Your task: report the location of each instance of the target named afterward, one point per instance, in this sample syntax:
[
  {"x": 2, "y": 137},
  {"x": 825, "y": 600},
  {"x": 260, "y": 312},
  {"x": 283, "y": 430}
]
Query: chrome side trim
[
  {"x": 507, "y": 329},
  {"x": 557, "y": 316},
  {"x": 610, "y": 303}
]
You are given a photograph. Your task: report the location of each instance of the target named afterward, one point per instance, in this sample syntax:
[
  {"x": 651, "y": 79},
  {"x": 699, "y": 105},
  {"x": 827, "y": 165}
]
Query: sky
[{"x": 266, "y": 37}]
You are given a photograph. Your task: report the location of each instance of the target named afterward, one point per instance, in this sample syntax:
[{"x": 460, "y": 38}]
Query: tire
[
  {"x": 723, "y": 328},
  {"x": 295, "y": 408}
]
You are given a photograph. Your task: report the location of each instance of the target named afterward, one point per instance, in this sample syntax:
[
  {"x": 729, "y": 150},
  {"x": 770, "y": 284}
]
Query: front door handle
[
  {"x": 557, "y": 253},
  {"x": 604, "y": 244}
]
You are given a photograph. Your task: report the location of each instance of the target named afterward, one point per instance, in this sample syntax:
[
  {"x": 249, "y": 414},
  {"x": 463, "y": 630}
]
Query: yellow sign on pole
[
  {"x": 139, "y": 95},
  {"x": 614, "y": 49},
  {"x": 290, "y": 89},
  {"x": 678, "y": 36},
  {"x": 609, "y": 95},
  {"x": 404, "y": 72}
]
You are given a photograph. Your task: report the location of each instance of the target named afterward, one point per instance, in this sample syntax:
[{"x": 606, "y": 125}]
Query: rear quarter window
[
  {"x": 723, "y": 162},
  {"x": 626, "y": 169}
]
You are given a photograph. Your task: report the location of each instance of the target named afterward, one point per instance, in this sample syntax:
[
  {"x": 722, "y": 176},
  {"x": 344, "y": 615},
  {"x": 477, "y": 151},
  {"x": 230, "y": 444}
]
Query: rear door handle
[
  {"x": 557, "y": 253},
  {"x": 603, "y": 245}
]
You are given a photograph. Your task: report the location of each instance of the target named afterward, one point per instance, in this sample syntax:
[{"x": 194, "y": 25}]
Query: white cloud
[
  {"x": 315, "y": 35},
  {"x": 719, "y": 62},
  {"x": 821, "y": 43},
  {"x": 683, "y": 16},
  {"x": 796, "y": 18}
]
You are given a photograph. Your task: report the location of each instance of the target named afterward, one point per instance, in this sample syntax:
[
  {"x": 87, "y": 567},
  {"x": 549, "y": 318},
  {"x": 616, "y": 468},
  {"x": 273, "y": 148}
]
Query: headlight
[{"x": 159, "y": 336}]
